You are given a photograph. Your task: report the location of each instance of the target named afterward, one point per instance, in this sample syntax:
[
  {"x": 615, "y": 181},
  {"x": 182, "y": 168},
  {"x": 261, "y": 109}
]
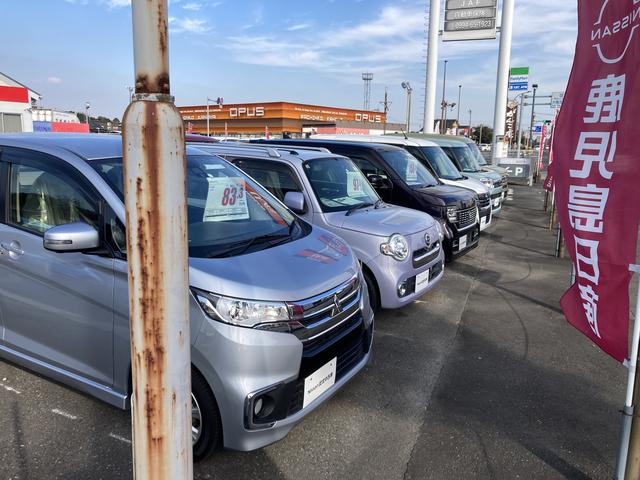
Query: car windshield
[
  {"x": 465, "y": 159},
  {"x": 339, "y": 185},
  {"x": 475, "y": 151},
  {"x": 408, "y": 168},
  {"x": 228, "y": 213},
  {"x": 440, "y": 163}
]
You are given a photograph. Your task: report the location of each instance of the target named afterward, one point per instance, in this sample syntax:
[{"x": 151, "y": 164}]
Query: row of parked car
[{"x": 292, "y": 247}]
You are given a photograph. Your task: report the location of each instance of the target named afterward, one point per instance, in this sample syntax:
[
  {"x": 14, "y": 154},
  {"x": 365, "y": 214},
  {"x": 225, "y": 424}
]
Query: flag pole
[{"x": 629, "y": 452}]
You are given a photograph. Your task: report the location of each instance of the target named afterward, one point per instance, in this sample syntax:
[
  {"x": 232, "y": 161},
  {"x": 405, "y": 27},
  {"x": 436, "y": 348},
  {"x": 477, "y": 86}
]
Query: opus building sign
[{"x": 469, "y": 20}]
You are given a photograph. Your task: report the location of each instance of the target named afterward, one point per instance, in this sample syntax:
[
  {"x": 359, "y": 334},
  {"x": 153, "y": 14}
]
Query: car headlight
[
  {"x": 240, "y": 312},
  {"x": 397, "y": 247},
  {"x": 440, "y": 231},
  {"x": 487, "y": 182},
  {"x": 452, "y": 214}
]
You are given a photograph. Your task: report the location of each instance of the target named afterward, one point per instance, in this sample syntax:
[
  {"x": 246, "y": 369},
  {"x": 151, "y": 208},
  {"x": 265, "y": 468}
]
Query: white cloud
[
  {"x": 192, "y": 6},
  {"x": 298, "y": 26},
  {"x": 189, "y": 25},
  {"x": 55, "y": 80}
]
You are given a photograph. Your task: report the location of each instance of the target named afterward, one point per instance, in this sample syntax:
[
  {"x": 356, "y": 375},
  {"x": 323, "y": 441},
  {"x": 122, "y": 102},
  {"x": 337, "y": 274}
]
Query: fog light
[
  {"x": 402, "y": 289},
  {"x": 257, "y": 407}
]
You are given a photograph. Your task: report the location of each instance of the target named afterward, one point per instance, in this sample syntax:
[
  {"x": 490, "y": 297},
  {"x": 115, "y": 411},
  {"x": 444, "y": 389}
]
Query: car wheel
[
  {"x": 206, "y": 424},
  {"x": 372, "y": 289}
]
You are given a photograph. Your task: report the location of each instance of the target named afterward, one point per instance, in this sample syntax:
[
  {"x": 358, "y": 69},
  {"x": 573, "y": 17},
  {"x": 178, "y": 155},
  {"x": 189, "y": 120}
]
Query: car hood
[
  {"x": 449, "y": 195},
  {"x": 292, "y": 271},
  {"x": 469, "y": 183},
  {"x": 383, "y": 221}
]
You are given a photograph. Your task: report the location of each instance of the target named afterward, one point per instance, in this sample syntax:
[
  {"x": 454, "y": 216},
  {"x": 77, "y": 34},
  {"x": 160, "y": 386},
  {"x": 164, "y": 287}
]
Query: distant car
[
  {"x": 194, "y": 137},
  {"x": 485, "y": 147}
]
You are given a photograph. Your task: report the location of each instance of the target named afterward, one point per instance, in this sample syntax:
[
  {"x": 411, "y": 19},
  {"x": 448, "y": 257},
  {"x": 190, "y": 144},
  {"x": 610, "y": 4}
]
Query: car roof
[
  {"x": 320, "y": 142},
  {"x": 387, "y": 139},
  {"x": 441, "y": 140},
  {"x": 89, "y": 146},
  {"x": 267, "y": 151}
]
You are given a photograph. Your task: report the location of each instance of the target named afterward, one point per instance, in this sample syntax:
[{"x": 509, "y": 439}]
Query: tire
[
  {"x": 210, "y": 423},
  {"x": 372, "y": 289}
]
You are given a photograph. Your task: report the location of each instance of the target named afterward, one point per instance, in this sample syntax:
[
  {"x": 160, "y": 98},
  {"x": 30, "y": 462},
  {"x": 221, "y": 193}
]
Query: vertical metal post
[
  {"x": 443, "y": 103},
  {"x": 432, "y": 67},
  {"x": 502, "y": 81},
  {"x": 155, "y": 201},
  {"x": 208, "y": 132},
  {"x": 520, "y": 123},
  {"x": 409, "y": 92},
  {"x": 629, "y": 453},
  {"x": 533, "y": 114},
  {"x": 458, "y": 114},
  {"x": 469, "y": 123}
]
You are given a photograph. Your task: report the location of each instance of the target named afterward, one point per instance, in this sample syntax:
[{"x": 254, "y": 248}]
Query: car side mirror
[
  {"x": 71, "y": 237},
  {"x": 378, "y": 181},
  {"x": 295, "y": 201}
]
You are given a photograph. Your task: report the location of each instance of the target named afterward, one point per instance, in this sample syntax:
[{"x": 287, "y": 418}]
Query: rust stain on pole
[{"x": 155, "y": 200}]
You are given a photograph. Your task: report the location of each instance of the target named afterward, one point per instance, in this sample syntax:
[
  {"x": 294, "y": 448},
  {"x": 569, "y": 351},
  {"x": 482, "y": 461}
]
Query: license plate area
[{"x": 319, "y": 382}]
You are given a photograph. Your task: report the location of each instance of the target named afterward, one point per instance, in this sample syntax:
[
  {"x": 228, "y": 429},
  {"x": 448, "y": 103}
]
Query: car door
[{"x": 57, "y": 308}]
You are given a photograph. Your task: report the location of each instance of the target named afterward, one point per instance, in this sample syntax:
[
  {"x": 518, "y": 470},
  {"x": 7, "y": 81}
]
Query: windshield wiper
[
  {"x": 358, "y": 207},
  {"x": 241, "y": 247},
  {"x": 379, "y": 203}
]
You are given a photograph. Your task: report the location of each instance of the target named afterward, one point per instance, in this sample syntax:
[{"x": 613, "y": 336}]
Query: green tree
[{"x": 487, "y": 134}]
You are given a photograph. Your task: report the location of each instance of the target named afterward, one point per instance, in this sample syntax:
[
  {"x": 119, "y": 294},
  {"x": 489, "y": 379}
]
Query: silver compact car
[
  {"x": 280, "y": 316},
  {"x": 400, "y": 249}
]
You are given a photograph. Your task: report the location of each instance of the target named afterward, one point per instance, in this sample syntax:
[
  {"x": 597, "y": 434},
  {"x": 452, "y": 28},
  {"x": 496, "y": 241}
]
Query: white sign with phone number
[{"x": 226, "y": 200}]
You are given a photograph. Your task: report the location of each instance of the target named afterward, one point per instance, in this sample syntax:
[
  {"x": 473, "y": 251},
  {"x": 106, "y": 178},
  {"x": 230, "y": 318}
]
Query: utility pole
[
  {"x": 130, "y": 89},
  {"x": 458, "y": 114},
  {"x": 208, "y": 100},
  {"x": 407, "y": 86},
  {"x": 443, "y": 104},
  {"x": 87, "y": 106},
  {"x": 480, "y": 137},
  {"x": 385, "y": 104},
  {"x": 432, "y": 67},
  {"x": 469, "y": 123},
  {"x": 533, "y": 114},
  {"x": 155, "y": 201},
  {"x": 502, "y": 82}
]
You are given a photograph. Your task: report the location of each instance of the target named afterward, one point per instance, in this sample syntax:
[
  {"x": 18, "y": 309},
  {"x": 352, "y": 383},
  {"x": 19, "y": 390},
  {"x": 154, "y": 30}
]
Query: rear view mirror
[
  {"x": 295, "y": 201},
  {"x": 71, "y": 237}
]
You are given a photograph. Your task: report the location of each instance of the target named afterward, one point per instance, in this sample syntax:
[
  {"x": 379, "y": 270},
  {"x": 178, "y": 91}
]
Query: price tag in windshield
[
  {"x": 226, "y": 200},
  {"x": 412, "y": 170},
  {"x": 354, "y": 184}
]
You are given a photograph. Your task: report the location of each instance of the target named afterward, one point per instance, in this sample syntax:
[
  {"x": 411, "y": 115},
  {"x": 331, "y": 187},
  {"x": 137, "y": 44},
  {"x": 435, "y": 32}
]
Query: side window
[
  {"x": 275, "y": 177},
  {"x": 44, "y": 197},
  {"x": 368, "y": 167}
]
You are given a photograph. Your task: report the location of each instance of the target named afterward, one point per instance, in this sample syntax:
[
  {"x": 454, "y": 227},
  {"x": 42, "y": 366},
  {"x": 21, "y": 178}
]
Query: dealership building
[
  {"x": 16, "y": 102},
  {"x": 278, "y": 118}
]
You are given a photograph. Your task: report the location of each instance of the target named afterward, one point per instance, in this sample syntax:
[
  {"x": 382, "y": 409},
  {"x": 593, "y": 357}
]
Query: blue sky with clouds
[{"x": 71, "y": 51}]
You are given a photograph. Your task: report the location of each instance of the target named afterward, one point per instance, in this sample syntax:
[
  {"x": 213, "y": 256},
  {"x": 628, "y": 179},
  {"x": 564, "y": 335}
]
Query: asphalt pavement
[{"x": 481, "y": 378}]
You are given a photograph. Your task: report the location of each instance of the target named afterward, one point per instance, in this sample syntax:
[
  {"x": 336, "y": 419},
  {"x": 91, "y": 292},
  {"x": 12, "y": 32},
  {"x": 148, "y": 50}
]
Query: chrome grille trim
[
  {"x": 466, "y": 217},
  {"x": 419, "y": 258}
]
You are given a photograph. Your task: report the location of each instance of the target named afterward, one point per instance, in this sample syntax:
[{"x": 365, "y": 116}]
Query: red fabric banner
[{"x": 596, "y": 170}]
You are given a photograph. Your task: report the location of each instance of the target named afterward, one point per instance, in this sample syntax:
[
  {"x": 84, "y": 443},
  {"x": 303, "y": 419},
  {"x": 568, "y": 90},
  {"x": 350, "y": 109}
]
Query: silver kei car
[
  {"x": 280, "y": 317},
  {"x": 400, "y": 249}
]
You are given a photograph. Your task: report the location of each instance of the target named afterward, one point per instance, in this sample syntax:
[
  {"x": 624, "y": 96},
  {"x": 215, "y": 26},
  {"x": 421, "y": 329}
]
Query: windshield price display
[
  {"x": 412, "y": 170},
  {"x": 354, "y": 184},
  {"x": 226, "y": 200}
]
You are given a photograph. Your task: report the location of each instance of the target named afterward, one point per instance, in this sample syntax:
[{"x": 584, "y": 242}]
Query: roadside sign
[
  {"x": 518, "y": 79},
  {"x": 518, "y": 169},
  {"x": 537, "y": 128},
  {"x": 556, "y": 99},
  {"x": 469, "y": 20}
]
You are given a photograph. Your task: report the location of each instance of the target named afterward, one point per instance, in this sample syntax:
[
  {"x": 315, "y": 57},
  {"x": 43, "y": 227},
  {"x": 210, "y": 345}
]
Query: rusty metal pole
[{"x": 155, "y": 200}]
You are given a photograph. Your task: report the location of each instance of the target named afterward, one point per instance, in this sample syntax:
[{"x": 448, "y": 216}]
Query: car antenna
[{"x": 405, "y": 135}]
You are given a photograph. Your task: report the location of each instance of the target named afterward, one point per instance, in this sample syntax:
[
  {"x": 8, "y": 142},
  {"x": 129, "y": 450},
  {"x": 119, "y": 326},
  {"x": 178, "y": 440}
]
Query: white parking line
[
  {"x": 9, "y": 389},
  {"x": 64, "y": 414},
  {"x": 120, "y": 438}
]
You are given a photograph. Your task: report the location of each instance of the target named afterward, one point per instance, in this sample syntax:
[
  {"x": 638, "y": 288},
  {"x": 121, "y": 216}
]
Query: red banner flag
[{"x": 596, "y": 169}]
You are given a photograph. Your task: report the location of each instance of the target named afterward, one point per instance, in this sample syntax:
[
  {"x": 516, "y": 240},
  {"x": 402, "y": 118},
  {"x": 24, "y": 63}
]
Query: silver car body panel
[{"x": 72, "y": 297}]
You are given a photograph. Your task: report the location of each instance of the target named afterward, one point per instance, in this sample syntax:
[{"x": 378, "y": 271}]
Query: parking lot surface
[{"x": 481, "y": 378}]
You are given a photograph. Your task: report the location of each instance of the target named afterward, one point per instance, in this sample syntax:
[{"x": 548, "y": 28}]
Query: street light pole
[
  {"x": 469, "y": 123},
  {"x": 407, "y": 87},
  {"x": 155, "y": 202},
  {"x": 522, "y": 95},
  {"x": 208, "y": 100},
  {"x": 533, "y": 110},
  {"x": 432, "y": 67},
  {"x": 458, "y": 114},
  {"x": 87, "y": 106},
  {"x": 443, "y": 105}
]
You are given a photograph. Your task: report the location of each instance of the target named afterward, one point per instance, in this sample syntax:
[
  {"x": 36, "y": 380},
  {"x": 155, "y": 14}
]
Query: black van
[{"x": 400, "y": 179}]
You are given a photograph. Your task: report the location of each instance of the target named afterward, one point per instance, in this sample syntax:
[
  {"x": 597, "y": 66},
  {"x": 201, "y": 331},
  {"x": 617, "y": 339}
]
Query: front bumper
[
  {"x": 390, "y": 274},
  {"x": 485, "y": 219},
  {"x": 238, "y": 362},
  {"x": 496, "y": 201},
  {"x": 471, "y": 237}
]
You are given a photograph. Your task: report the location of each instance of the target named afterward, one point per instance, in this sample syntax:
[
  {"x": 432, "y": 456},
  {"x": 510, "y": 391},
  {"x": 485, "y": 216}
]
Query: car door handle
[{"x": 13, "y": 249}]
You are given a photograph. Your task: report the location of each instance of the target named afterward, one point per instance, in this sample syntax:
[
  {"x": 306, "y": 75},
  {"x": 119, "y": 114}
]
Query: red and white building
[{"x": 16, "y": 103}]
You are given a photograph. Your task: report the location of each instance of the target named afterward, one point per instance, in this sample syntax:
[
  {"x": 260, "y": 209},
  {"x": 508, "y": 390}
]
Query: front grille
[
  {"x": 484, "y": 201},
  {"x": 426, "y": 255},
  {"x": 466, "y": 217},
  {"x": 349, "y": 352}
]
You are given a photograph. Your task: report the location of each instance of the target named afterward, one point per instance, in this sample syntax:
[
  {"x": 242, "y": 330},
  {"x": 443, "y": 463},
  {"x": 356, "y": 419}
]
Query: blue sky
[{"x": 72, "y": 51}]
